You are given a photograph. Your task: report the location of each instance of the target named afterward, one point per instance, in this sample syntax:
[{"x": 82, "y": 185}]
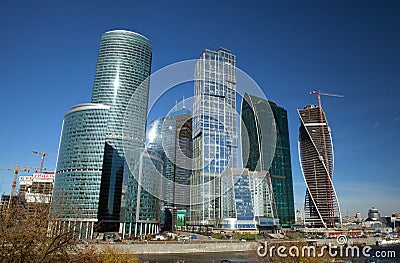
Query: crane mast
[
  {"x": 326, "y": 160},
  {"x": 43, "y": 154},
  {"x": 17, "y": 169}
]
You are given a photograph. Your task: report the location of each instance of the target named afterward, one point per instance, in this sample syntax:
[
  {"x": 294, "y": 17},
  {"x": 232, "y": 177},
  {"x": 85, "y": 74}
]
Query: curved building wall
[
  {"x": 79, "y": 164},
  {"x": 171, "y": 138},
  {"x": 260, "y": 119},
  {"x": 123, "y": 68},
  {"x": 316, "y": 159}
]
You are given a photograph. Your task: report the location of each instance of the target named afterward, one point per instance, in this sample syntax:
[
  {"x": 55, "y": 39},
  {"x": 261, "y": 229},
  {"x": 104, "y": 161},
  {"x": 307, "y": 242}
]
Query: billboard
[
  {"x": 181, "y": 218},
  {"x": 43, "y": 177}
]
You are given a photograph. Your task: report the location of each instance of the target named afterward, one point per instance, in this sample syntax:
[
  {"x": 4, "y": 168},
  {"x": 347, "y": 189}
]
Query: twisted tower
[{"x": 316, "y": 158}]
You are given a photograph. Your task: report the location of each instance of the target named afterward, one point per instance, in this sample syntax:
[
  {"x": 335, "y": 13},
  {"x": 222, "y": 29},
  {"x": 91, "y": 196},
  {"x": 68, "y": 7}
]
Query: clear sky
[{"x": 48, "y": 52}]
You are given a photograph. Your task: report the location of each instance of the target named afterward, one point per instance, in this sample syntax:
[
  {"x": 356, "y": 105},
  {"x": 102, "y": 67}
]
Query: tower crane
[
  {"x": 17, "y": 169},
  {"x": 43, "y": 154},
  {"x": 319, "y": 94}
]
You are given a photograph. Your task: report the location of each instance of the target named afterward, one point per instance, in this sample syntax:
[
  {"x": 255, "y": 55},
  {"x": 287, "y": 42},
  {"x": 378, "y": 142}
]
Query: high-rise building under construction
[{"x": 316, "y": 159}]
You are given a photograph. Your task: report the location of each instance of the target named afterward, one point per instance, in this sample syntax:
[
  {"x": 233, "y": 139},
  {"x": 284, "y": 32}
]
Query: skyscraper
[
  {"x": 316, "y": 158},
  {"x": 259, "y": 123},
  {"x": 79, "y": 167},
  {"x": 171, "y": 137},
  {"x": 123, "y": 67},
  {"x": 92, "y": 170},
  {"x": 215, "y": 132}
]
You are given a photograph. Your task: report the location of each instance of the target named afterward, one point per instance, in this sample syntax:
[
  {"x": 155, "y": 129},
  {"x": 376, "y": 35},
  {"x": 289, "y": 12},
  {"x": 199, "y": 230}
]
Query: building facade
[
  {"x": 122, "y": 70},
  {"x": 79, "y": 167},
  {"x": 141, "y": 208},
  {"x": 37, "y": 188},
  {"x": 171, "y": 137},
  {"x": 246, "y": 200},
  {"x": 260, "y": 120},
  {"x": 92, "y": 170},
  {"x": 215, "y": 132},
  {"x": 316, "y": 159}
]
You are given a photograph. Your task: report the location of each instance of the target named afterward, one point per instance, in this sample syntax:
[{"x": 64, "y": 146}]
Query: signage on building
[
  {"x": 181, "y": 218},
  {"x": 43, "y": 177},
  {"x": 25, "y": 180}
]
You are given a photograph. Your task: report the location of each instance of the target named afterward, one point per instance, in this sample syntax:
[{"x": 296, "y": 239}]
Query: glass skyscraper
[
  {"x": 123, "y": 67},
  {"x": 321, "y": 205},
  {"x": 171, "y": 137},
  {"x": 79, "y": 167},
  {"x": 259, "y": 124},
  {"x": 92, "y": 169},
  {"x": 215, "y": 132}
]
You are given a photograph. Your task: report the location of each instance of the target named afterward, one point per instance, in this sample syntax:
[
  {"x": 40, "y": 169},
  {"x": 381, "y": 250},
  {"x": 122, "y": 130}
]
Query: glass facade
[
  {"x": 122, "y": 70},
  {"x": 140, "y": 213},
  {"x": 215, "y": 132},
  {"x": 263, "y": 199},
  {"x": 256, "y": 148},
  {"x": 171, "y": 137},
  {"x": 79, "y": 165},
  {"x": 247, "y": 201},
  {"x": 321, "y": 205},
  {"x": 236, "y": 201}
]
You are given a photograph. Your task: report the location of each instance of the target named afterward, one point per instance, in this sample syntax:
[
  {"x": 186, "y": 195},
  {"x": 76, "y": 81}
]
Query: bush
[{"x": 107, "y": 255}]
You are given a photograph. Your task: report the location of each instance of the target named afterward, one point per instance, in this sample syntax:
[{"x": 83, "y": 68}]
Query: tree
[
  {"x": 26, "y": 236},
  {"x": 33, "y": 234}
]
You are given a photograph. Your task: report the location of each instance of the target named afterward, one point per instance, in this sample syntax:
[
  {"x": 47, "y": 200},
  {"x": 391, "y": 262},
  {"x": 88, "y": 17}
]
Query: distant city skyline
[{"x": 289, "y": 48}]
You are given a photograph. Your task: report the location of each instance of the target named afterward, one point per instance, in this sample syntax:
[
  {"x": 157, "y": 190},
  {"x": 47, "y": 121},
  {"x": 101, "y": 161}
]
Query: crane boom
[
  {"x": 319, "y": 94},
  {"x": 43, "y": 154},
  {"x": 332, "y": 95}
]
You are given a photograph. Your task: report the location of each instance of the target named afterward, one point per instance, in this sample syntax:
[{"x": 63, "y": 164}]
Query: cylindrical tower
[
  {"x": 123, "y": 64},
  {"x": 79, "y": 166},
  {"x": 122, "y": 70}
]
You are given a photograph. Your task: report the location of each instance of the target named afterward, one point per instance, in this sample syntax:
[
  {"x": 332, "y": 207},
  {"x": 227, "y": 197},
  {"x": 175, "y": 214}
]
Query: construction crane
[
  {"x": 17, "y": 169},
  {"x": 43, "y": 154},
  {"x": 319, "y": 94}
]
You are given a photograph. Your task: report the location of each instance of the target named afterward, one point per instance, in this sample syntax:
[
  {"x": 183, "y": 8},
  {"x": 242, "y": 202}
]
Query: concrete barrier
[
  {"x": 368, "y": 241},
  {"x": 169, "y": 248}
]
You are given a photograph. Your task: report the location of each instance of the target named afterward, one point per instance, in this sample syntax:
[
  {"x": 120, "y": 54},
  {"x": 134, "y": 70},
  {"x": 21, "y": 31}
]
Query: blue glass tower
[
  {"x": 79, "y": 167},
  {"x": 256, "y": 146},
  {"x": 123, "y": 68},
  {"x": 171, "y": 138},
  {"x": 215, "y": 132}
]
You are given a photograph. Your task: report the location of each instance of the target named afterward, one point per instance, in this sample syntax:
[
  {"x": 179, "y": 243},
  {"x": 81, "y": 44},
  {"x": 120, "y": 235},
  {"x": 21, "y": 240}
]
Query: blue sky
[{"x": 48, "y": 52}]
